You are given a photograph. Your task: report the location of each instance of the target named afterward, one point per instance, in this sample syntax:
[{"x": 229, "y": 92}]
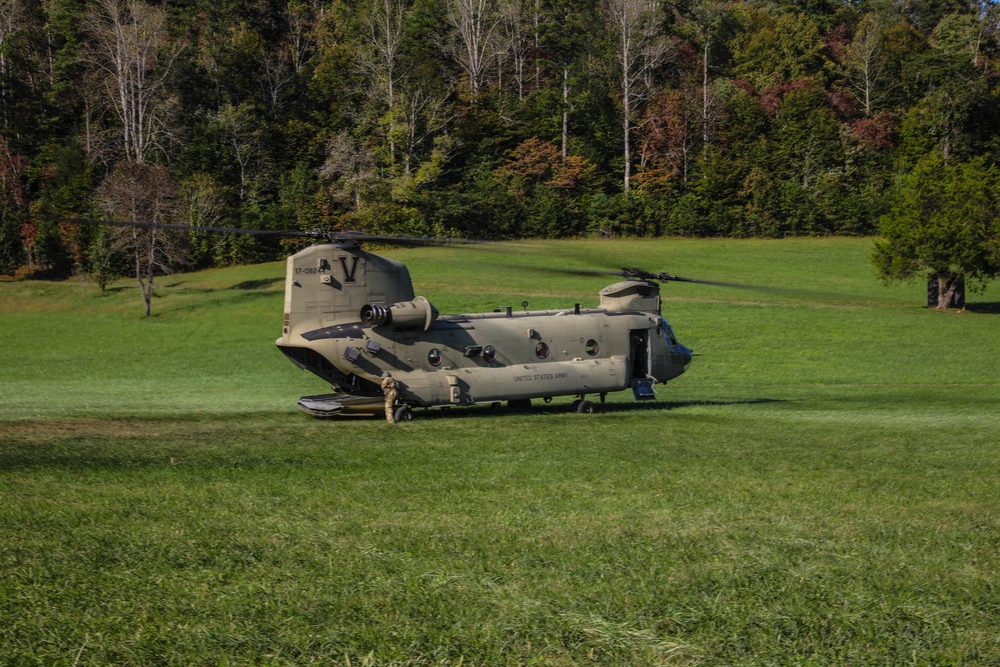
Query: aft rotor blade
[
  {"x": 346, "y": 236},
  {"x": 407, "y": 240},
  {"x": 190, "y": 228}
]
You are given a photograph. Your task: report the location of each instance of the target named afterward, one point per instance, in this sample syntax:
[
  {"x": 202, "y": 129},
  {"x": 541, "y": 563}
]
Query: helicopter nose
[{"x": 686, "y": 355}]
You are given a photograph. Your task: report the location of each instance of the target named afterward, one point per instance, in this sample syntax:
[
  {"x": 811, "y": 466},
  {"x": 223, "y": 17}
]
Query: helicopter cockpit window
[
  {"x": 434, "y": 357},
  {"x": 489, "y": 354},
  {"x": 541, "y": 350},
  {"x": 670, "y": 332},
  {"x": 592, "y": 347}
]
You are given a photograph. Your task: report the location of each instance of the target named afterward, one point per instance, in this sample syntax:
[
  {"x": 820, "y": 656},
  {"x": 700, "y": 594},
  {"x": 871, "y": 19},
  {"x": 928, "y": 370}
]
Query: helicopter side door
[{"x": 639, "y": 357}]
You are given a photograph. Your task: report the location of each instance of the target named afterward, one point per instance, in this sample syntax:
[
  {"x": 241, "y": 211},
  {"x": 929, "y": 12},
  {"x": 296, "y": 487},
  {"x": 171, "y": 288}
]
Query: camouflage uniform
[{"x": 391, "y": 391}]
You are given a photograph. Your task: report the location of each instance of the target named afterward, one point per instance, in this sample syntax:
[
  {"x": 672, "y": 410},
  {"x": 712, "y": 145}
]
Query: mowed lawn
[{"x": 821, "y": 487}]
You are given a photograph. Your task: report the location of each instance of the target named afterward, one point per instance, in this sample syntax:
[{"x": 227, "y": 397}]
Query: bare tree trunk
[
  {"x": 385, "y": 30},
  {"x": 238, "y": 129},
  {"x": 517, "y": 37},
  {"x": 476, "y": 21},
  {"x": 137, "y": 252},
  {"x": 86, "y": 125},
  {"x": 704, "y": 95},
  {"x": 684, "y": 151},
  {"x": 626, "y": 103},
  {"x": 145, "y": 193},
  {"x": 946, "y": 148},
  {"x": 126, "y": 35},
  {"x": 640, "y": 48},
  {"x": 11, "y": 19},
  {"x": 537, "y": 31},
  {"x": 300, "y": 21},
  {"x": 150, "y": 263},
  {"x": 866, "y": 61},
  {"x": 565, "y": 118}
]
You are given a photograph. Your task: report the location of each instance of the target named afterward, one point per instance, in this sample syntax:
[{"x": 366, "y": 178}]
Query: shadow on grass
[
  {"x": 256, "y": 284},
  {"x": 543, "y": 409},
  {"x": 136, "y": 442},
  {"x": 984, "y": 308}
]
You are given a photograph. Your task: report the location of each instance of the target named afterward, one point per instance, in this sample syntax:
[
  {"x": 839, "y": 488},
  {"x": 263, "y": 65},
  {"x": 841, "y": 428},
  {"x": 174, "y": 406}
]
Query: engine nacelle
[{"x": 416, "y": 314}]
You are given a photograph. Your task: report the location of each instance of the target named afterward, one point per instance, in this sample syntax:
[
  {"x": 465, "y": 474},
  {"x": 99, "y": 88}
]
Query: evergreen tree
[{"x": 945, "y": 222}]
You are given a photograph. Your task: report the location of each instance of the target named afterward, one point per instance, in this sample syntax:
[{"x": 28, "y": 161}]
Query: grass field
[{"x": 820, "y": 488}]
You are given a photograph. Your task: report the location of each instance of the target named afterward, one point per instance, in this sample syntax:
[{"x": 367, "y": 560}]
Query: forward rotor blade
[
  {"x": 571, "y": 272},
  {"x": 641, "y": 274},
  {"x": 718, "y": 284}
]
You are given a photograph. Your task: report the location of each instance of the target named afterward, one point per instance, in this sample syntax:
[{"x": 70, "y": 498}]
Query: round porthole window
[
  {"x": 592, "y": 347},
  {"x": 434, "y": 357},
  {"x": 489, "y": 354},
  {"x": 541, "y": 350}
]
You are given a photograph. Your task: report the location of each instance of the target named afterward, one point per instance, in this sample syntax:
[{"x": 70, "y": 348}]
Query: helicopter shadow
[
  {"x": 677, "y": 405},
  {"x": 474, "y": 411}
]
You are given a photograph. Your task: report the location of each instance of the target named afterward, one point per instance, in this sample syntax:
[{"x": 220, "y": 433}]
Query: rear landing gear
[
  {"x": 403, "y": 414},
  {"x": 585, "y": 407}
]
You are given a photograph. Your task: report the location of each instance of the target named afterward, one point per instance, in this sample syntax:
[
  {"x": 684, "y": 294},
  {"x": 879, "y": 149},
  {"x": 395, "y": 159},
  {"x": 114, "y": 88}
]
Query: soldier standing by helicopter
[{"x": 391, "y": 390}]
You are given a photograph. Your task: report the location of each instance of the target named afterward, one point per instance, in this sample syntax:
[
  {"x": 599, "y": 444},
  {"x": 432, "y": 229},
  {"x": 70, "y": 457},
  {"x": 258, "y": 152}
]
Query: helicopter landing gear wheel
[
  {"x": 403, "y": 414},
  {"x": 585, "y": 407}
]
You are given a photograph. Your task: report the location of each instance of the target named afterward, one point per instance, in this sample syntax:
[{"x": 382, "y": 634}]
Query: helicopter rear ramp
[{"x": 344, "y": 405}]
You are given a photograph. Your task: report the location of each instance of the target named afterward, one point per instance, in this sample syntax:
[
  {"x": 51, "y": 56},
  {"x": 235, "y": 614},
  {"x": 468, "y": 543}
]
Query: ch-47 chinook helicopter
[{"x": 351, "y": 317}]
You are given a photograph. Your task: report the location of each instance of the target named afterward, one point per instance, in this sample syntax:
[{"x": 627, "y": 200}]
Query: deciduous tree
[
  {"x": 144, "y": 193},
  {"x": 476, "y": 23},
  {"x": 866, "y": 61},
  {"x": 129, "y": 47},
  {"x": 381, "y": 55},
  {"x": 639, "y": 47}
]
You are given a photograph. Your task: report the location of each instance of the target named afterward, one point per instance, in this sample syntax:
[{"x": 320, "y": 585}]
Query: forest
[{"x": 476, "y": 118}]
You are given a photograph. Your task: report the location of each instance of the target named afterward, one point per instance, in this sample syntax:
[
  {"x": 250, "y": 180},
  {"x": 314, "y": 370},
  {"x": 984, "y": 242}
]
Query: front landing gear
[
  {"x": 585, "y": 407},
  {"x": 403, "y": 414}
]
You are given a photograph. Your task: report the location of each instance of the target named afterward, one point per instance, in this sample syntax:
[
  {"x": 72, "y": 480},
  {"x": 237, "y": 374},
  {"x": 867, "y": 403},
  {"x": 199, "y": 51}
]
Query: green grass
[{"x": 820, "y": 488}]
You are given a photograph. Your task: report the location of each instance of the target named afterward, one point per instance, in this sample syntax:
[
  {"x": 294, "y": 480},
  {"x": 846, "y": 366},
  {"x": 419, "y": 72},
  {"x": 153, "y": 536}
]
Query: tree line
[{"x": 481, "y": 118}]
